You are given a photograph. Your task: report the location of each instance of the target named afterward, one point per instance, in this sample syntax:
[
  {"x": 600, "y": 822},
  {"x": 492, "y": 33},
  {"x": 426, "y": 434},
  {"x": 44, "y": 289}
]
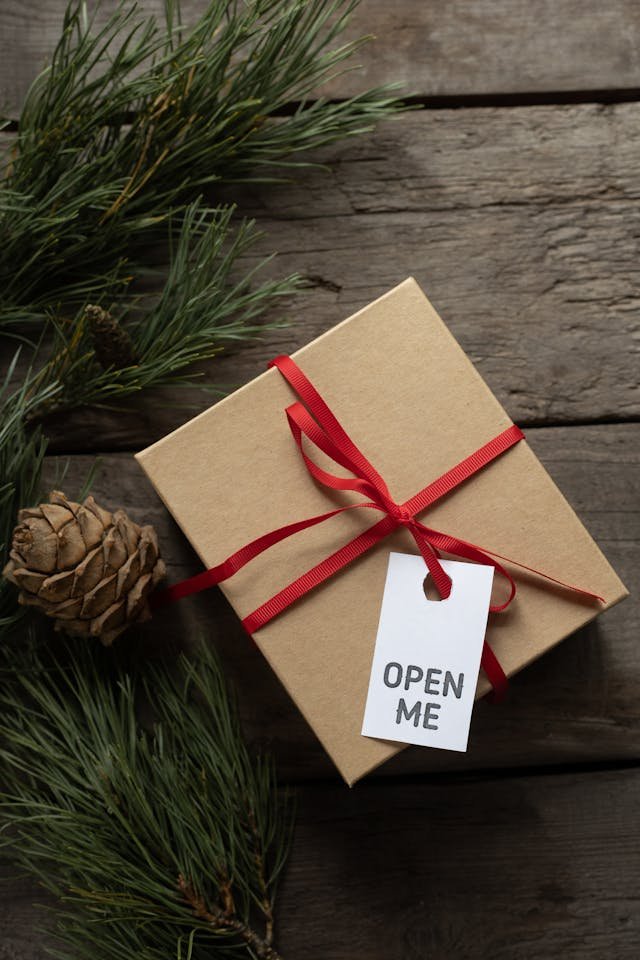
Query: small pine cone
[
  {"x": 112, "y": 344},
  {"x": 90, "y": 570}
]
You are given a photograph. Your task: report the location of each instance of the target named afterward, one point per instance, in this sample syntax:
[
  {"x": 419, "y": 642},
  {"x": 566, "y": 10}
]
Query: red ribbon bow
[{"x": 314, "y": 420}]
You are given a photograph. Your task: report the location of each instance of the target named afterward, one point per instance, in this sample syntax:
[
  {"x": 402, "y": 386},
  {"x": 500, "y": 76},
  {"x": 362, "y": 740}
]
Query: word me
[{"x": 434, "y": 679}]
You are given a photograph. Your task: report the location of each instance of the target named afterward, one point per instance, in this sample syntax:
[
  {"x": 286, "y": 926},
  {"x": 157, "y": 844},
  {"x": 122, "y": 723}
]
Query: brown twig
[
  {"x": 226, "y": 922},
  {"x": 259, "y": 862},
  {"x": 226, "y": 896}
]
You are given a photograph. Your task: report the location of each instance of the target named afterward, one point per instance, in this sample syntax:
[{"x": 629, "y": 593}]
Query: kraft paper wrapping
[{"x": 412, "y": 401}]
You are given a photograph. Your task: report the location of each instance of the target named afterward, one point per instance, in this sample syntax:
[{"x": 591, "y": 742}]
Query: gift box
[{"x": 415, "y": 406}]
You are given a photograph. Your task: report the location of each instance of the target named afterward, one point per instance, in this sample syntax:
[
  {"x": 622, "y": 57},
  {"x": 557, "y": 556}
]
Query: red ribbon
[{"x": 314, "y": 420}]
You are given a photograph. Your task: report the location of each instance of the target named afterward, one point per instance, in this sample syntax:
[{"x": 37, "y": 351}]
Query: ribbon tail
[
  {"x": 489, "y": 662},
  {"x": 547, "y": 576},
  {"x": 494, "y": 673},
  {"x": 471, "y": 551}
]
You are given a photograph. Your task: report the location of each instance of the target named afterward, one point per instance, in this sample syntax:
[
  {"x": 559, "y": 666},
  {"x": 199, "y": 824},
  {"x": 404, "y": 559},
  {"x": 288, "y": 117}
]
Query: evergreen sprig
[
  {"x": 116, "y": 142},
  {"x": 160, "y": 840},
  {"x": 133, "y": 119},
  {"x": 202, "y": 307}
]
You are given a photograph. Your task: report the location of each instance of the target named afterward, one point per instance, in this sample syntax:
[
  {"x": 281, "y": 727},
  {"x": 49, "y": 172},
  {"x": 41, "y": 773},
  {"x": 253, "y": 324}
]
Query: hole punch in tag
[
  {"x": 430, "y": 589},
  {"x": 427, "y": 654}
]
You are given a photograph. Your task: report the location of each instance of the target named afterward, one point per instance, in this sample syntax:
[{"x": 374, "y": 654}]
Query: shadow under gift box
[{"x": 414, "y": 404}]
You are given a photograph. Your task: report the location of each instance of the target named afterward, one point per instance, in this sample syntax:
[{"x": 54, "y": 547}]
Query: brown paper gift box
[{"x": 412, "y": 401}]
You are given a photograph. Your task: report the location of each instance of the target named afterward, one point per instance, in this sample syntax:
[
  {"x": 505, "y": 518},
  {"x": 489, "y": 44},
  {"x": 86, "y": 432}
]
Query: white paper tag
[{"x": 427, "y": 655}]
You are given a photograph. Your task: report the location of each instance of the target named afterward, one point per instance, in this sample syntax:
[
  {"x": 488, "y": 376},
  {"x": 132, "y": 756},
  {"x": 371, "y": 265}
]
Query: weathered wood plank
[
  {"x": 522, "y": 225},
  {"x": 445, "y": 47},
  {"x": 578, "y": 703},
  {"x": 22, "y": 918},
  {"x": 525, "y": 867},
  {"x": 468, "y": 48}
]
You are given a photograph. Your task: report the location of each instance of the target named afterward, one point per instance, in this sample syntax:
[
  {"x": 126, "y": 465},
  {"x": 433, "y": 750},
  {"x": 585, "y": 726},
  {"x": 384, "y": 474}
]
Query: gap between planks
[
  {"x": 450, "y": 48},
  {"x": 460, "y": 102},
  {"x": 57, "y": 449}
]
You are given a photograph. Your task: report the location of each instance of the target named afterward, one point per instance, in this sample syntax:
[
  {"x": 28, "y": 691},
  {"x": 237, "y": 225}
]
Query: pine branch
[
  {"x": 134, "y": 119},
  {"x": 202, "y": 306},
  {"x": 156, "y": 840},
  {"x": 222, "y": 918}
]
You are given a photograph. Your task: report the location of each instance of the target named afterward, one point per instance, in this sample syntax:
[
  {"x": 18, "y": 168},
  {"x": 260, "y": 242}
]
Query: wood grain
[
  {"x": 456, "y": 48},
  {"x": 522, "y": 226},
  {"x": 22, "y": 918},
  {"x": 519, "y": 868},
  {"x": 516, "y": 869},
  {"x": 577, "y": 704}
]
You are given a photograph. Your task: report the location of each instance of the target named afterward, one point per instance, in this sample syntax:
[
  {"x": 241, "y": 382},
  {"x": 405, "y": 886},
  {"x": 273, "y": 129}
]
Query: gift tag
[{"x": 427, "y": 655}]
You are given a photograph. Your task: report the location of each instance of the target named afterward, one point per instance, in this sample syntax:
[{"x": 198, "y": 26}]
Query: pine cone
[
  {"x": 112, "y": 344},
  {"x": 91, "y": 570}
]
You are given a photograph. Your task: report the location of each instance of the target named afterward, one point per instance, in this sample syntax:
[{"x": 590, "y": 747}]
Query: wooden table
[{"x": 513, "y": 195}]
